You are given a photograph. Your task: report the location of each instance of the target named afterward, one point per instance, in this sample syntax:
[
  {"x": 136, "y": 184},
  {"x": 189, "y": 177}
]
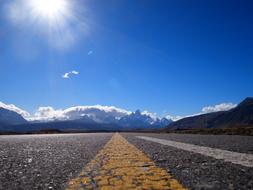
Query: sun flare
[
  {"x": 49, "y": 9},
  {"x": 60, "y": 22}
]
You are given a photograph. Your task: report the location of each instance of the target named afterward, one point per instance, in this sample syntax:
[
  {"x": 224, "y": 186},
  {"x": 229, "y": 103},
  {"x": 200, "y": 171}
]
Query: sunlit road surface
[{"x": 126, "y": 161}]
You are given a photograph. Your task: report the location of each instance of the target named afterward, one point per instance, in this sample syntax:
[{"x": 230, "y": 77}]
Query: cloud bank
[
  {"x": 174, "y": 118},
  {"x": 97, "y": 113},
  {"x": 219, "y": 107}
]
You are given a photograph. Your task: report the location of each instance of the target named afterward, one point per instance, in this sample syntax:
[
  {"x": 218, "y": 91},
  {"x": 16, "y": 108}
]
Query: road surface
[{"x": 130, "y": 160}]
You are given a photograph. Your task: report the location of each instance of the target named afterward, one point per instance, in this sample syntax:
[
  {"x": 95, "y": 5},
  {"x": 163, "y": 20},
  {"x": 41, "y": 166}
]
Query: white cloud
[
  {"x": 75, "y": 72},
  {"x": 218, "y": 107},
  {"x": 14, "y": 108},
  {"x": 173, "y": 118},
  {"x": 90, "y": 52},
  {"x": 48, "y": 113},
  {"x": 150, "y": 114},
  {"x": 68, "y": 74},
  {"x": 97, "y": 113}
]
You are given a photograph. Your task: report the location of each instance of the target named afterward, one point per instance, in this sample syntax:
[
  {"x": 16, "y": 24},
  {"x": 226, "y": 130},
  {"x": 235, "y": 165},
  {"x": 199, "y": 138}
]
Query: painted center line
[
  {"x": 228, "y": 156},
  {"x": 120, "y": 165}
]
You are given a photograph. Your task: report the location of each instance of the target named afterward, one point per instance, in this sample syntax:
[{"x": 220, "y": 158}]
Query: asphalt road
[
  {"x": 196, "y": 171},
  {"x": 50, "y": 161},
  {"x": 45, "y": 161}
]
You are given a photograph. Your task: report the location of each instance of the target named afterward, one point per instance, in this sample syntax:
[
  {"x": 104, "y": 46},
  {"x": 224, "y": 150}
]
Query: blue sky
[{"x": 170, "y": 57}]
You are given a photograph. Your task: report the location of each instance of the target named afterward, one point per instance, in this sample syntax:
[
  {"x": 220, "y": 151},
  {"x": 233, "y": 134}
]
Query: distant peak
[
  {"x": 137, "y": 112},
  {"x": 247, "y": 101}
]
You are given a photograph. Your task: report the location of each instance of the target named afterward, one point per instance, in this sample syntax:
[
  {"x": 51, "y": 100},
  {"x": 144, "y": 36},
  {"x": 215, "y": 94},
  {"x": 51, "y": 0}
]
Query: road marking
[
  {"x": 228, "y": 156},
  {"x": 120, "y": 165}
]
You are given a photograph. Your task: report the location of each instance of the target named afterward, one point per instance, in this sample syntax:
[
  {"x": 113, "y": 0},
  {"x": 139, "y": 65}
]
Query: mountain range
[
  {"x": 83, "y": 119},
  {"x": 8, "y": 117},
  {"x": 95, "y": 118},
  {"x": 241, "y": 115}
]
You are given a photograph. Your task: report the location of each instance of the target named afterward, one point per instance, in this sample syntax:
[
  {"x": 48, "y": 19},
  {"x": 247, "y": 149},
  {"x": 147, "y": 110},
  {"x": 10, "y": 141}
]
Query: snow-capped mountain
[
  {"x": 101, "y": 115},
  {"x": 8, "y": 117},
  {"x": 138, "y": 119}
]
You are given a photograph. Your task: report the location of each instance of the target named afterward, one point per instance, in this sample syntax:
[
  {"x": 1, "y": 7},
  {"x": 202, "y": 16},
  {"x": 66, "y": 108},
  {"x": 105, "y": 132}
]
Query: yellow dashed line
[{"x": 120, "y": 165}]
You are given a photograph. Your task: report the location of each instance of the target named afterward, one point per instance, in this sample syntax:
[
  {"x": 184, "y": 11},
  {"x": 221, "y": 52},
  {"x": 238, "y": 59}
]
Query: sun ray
[
  {"x": 49, "y": 10},
  {"x": 60, "y": 22}
]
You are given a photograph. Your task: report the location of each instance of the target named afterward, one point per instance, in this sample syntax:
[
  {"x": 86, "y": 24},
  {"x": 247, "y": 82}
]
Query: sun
[
  {"x": 49, "y": 9},
  {"x": 61, "y": 23}
]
